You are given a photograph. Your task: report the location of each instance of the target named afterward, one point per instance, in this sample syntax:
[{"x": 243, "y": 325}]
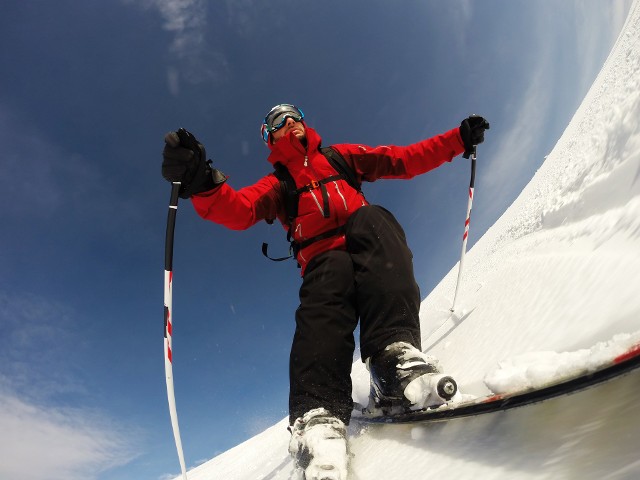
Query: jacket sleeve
[
  {"x": 240, "y": 209},
  {"x": 389, "y": 161}
]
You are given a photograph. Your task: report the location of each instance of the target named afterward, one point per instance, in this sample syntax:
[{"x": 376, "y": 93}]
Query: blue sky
[{"x": 88, "y": 90}]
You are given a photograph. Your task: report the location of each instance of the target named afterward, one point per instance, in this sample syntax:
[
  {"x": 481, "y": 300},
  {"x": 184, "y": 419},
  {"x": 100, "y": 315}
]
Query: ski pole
[
  {"x": 466, "y": 225},
  {"x": 171, "y": 139}
]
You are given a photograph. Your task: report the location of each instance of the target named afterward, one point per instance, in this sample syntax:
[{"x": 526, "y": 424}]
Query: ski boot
[
  {"x": 319, "y": 446},
  {"x": 405, "y": 379}
]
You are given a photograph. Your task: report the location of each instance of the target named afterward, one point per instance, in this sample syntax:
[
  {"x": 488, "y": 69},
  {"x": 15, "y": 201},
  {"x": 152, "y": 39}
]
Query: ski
[{"x": 620, "y": 365}]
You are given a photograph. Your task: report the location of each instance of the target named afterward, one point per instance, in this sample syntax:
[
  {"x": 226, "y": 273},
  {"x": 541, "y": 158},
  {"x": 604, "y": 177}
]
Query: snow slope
[{"x": 557, "y": 275}]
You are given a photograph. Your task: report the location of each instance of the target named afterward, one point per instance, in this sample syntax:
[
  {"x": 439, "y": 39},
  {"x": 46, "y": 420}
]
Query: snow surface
[{"x": 551, "y": 289}]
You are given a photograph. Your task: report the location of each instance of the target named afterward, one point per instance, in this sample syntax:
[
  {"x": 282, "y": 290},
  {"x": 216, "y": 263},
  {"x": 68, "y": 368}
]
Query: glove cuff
[{"x": 210, "y": 178}]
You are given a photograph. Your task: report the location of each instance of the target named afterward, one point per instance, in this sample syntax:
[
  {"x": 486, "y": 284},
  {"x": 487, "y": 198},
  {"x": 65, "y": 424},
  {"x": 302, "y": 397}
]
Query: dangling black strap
[
  {"x": 297, "y": 246},
  {"x": 265, "y": 247}
]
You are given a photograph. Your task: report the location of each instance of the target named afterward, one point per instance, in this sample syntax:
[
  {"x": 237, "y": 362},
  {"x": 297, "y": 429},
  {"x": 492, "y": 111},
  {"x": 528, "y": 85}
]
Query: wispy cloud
[
  {"x": 461, "y": 15},
  {"x": 185, "y": 18},
  {"x": 192, "y": 59},
  {"x": 37, "y": 333},
  {"x": 597, "y": 30},
  {"x": 515, "y": 144},
  {"x": 547, "y": 92},
  {"x": 43, "y": 438},
  {"x": 516, "y": 140},
  {"x": 47, "y": 443}
]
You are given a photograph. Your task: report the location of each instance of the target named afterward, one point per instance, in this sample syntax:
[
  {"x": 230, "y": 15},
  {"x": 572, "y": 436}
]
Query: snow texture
[{"x": 550, "y": 289}]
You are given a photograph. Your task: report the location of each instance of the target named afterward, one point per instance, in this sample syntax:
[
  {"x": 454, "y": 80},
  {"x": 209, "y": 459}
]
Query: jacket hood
[{"x": 289, "y": 146}]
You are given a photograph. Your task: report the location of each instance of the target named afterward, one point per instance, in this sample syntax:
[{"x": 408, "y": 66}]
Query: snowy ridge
[
  {"x": 576, "y": 179},
  {"x": 563, "y": 258},
  {"x": 551, "y": 288}
]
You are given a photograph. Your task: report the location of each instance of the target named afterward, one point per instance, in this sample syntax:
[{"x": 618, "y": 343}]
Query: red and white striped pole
[
  {"x": 172, "y": 140},
  {"x": 465, "y": 236}
]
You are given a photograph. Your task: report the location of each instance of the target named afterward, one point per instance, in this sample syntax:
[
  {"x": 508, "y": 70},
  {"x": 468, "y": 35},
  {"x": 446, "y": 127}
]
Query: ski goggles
[{"x": 277, "y": 117}]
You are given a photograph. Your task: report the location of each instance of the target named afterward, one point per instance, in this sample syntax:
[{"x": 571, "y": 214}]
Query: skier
[{"x": 355, "y": 266}]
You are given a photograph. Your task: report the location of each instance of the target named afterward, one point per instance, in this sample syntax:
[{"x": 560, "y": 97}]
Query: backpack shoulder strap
[
  {"x": 288, "y": 189},
  {"x": 290, "y": 199},
  {"x": 341, "y": 166}
]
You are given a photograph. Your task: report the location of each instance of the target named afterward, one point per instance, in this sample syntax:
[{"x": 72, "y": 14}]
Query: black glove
[
  {"x": 472, "y": 133},
  {"x": 184, "y": 161}
]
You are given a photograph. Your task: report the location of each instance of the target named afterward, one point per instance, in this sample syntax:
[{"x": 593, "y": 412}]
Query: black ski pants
[{"x": 372, "y": 281}]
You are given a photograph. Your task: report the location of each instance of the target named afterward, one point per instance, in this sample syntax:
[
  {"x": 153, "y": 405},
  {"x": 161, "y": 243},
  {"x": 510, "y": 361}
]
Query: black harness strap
[
  {"x": 313, "y": 185},
  {"x": 323, "y": 189},
  {"x": 328, "y": 234}
]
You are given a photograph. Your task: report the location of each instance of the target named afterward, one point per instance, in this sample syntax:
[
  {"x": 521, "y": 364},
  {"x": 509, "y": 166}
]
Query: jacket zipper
[
  {"x": 344, "y": 201},
  {"x": 315, "y": 199},
  {"x": 317, "y": 202}
]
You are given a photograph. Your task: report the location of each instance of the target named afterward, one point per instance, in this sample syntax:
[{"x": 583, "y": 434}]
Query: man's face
[{"x": 290, "y": 125}]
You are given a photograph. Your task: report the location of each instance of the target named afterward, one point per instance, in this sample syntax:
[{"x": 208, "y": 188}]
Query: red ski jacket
[{"x": 240, "y": 209}]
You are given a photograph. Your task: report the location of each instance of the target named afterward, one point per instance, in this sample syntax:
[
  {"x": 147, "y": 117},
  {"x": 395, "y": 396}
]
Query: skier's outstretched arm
[
  {"x": 185, "y": 161},
  {"x": 390, "y": 161},
  {"x": 240, "y": 209}
]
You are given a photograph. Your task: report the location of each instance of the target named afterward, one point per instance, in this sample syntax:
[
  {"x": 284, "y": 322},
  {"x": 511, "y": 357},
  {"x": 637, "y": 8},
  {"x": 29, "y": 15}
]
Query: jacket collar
[{"x": 289, "y": 147}]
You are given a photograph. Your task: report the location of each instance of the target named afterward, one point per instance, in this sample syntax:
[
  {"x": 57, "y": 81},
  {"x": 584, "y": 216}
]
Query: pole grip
[
  {"x": 171, "y": 226},
  {"x": 473, "y": 167}
]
